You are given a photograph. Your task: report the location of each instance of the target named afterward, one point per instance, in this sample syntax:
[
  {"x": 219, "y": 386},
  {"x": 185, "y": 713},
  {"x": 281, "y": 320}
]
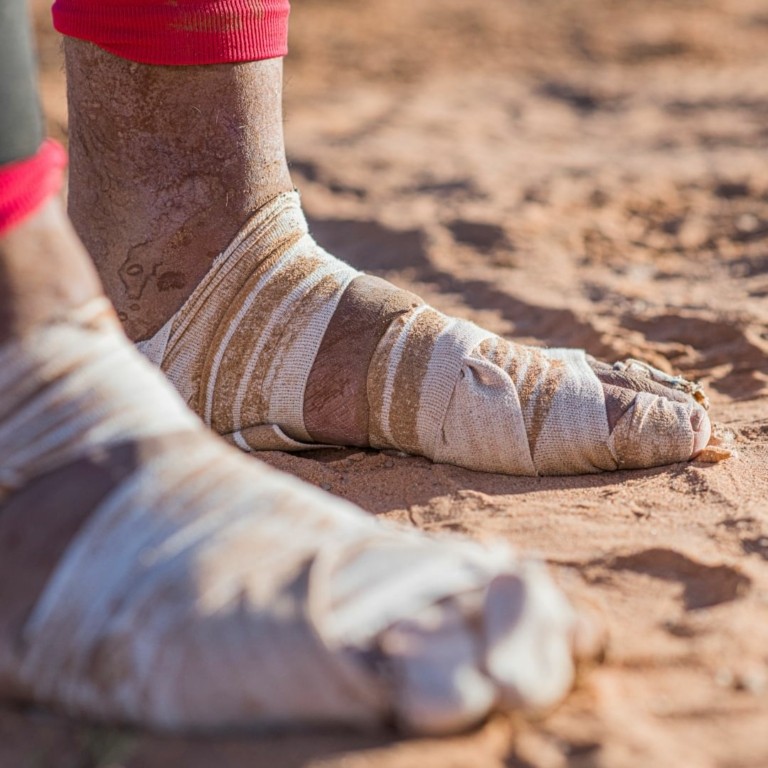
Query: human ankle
[
  {"x": 283, "y": 346},
  {"x": 44, "y": 272},
  {"x": 198, "y": 149}
]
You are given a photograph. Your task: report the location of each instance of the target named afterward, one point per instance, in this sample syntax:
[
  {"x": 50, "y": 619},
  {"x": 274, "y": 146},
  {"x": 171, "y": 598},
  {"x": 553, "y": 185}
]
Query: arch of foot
[
  {"x": 208, "y": 591},
  {"x": 242, "y": 349}
]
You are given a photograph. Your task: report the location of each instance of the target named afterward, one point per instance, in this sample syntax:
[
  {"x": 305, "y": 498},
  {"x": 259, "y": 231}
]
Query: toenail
[{"x": 702, "y": 429}]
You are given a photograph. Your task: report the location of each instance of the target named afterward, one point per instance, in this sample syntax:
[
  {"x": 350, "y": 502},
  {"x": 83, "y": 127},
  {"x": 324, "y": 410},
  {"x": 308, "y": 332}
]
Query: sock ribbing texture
[
  {"x": 191, "y": 32},
  {"x": 26, "y": 184}
]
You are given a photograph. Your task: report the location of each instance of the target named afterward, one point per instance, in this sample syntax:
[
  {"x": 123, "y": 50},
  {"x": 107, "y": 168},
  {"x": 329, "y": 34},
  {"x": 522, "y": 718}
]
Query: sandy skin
[{"x": 617, "y": 205}]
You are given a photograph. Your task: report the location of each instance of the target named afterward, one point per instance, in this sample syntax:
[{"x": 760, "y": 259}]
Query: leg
[
  {"x": 276, "y": 344},
  {"x": 198, "y": 169},
  {"x": 153, "y": 575}
]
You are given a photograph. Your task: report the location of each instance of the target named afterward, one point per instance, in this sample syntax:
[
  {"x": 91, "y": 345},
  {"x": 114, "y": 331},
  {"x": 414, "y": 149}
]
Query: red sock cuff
[
  {"x": 179, "y": 33},
  {"x": 25, "y": 185}
]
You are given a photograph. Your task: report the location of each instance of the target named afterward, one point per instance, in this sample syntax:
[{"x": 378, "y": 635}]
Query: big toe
[
  {"x": 510, "y": 646},
  {"x": 702, "y": 430},
  {"x": 656, "y": 430}
]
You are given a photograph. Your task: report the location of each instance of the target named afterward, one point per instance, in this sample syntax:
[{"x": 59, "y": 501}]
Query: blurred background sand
[{"x": 589, "y": 173}]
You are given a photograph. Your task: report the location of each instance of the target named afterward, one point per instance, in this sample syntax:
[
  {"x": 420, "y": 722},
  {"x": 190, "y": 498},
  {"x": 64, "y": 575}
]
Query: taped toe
[
  {"x": 529, "y": 629},
  {"x": 655, "y": 431},
  {"x": 435, "y": 662}
]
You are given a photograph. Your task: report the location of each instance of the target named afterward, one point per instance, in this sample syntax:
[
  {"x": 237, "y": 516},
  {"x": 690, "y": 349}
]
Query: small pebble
[
  {"x": 747, "y": 222},
  {"x": 753, "y": 681},
  {"x": 714, "y": 453}
]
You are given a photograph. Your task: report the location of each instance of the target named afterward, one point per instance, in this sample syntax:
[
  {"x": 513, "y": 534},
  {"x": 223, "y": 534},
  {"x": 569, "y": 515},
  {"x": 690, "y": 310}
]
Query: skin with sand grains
[{"x": 639, "y": 212}]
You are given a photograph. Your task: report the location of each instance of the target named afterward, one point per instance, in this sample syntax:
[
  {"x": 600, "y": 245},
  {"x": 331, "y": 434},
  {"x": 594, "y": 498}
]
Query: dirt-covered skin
[
  {"x": 197, "y": 150},
  {"x": 588, "y": 174}
]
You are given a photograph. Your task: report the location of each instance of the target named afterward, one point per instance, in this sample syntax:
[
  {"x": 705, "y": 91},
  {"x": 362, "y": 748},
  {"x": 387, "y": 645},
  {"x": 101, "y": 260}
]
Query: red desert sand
[{"x": 590, "y": 174}]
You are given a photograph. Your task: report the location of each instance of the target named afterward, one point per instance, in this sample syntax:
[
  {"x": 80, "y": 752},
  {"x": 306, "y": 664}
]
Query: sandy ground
[{"x": 589, "y": 174}]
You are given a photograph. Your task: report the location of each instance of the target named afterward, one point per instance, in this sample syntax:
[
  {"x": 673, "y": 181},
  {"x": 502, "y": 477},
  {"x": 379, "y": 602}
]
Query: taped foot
[
  {"x": 282, "y": 346},
  {"x": 153, "y": 575}
]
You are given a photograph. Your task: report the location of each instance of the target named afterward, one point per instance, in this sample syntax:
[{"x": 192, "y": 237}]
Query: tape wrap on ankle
[
  {"x": 189, "y": 32},
  {"x": 81, "y": 362},
  {"x": 206, "y": 590},
  {"x": 242, "y": 348}
]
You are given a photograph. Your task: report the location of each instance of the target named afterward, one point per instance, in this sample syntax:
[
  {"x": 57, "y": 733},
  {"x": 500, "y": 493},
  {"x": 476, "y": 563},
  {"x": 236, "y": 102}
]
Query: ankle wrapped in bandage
[
  {"x": 206, "y": 590},
  {"x": 80, "y": 362},
  {"x": 180, "y": 33},
  {"x": 27, "y": 184},
  {"x": 240, "y": 349},
  {"x": 243, "y": 348}
]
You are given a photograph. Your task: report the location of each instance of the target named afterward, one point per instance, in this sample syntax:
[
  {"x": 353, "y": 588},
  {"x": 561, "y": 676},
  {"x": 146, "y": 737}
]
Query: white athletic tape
[
  {"x": 209, "y": 591},
  {"x": 63, "y": 392},
  {"x": 241, "y": 349}
]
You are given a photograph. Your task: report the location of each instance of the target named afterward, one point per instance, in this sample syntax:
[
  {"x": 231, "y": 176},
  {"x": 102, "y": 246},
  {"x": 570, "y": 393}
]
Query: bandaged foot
[
  {"x": 200, "y": 589},
  {"x": 282, "y": 346}
]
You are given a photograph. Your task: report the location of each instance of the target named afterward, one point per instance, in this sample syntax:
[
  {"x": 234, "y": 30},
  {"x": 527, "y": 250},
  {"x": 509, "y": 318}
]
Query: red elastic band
[
  {"x": 179, "y": 32},
  {"x": 27, "y": 184}
]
